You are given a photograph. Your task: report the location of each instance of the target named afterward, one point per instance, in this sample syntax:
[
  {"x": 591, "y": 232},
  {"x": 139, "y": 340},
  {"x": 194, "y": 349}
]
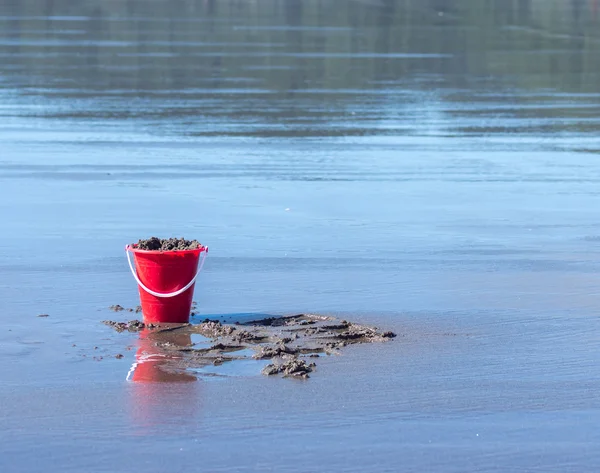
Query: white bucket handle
[{"x": 168, "y": 294}]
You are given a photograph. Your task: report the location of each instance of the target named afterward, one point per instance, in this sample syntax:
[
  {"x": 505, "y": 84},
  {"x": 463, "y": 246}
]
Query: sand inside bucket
[{"x": 167, "y": 244}]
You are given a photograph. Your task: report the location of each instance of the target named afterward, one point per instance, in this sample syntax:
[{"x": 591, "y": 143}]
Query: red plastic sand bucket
[{"x": 166, "y": 281}]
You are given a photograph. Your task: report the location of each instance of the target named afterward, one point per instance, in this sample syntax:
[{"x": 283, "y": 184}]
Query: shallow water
[{"x": 428, "y": 167}]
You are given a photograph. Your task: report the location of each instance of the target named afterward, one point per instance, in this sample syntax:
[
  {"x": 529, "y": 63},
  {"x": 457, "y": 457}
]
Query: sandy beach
[{"x": 426, "y": 168}]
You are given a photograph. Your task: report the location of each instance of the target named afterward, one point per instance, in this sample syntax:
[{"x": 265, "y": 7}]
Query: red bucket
[{"x": 166, "y": 281}]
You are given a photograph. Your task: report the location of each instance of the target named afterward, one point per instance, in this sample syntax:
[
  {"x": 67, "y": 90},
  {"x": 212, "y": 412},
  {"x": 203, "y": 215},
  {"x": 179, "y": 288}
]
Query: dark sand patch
[
  {"x": 120, "y": 308},
  {"x": 167, "y": 244},
  {"x": 289, "y": 367},
  {"x": 283, "y": 340},
  {"x": 131, "y": 326}
]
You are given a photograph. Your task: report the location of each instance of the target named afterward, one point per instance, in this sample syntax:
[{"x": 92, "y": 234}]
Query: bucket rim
[{"x": 133, "y": 249}]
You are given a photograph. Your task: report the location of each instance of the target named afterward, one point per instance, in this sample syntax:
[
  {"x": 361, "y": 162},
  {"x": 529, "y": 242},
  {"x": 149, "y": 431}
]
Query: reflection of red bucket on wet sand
[
  {"x": 166, "y": 281},
  {"x": 153, "y": 365},
  {"x": 160, "y": 392}
]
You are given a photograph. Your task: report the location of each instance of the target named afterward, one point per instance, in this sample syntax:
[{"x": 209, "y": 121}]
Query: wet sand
[
  {"x": 427, "y": 169},
  {"x": 171, "y": 350}
]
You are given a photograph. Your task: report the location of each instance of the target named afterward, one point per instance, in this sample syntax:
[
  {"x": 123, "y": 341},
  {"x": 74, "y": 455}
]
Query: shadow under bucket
[{"x": 166, "y": 281}]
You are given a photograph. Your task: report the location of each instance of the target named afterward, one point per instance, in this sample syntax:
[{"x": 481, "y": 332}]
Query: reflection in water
[
  {"x": 153, "y": 364},
  {"x": 161, "y": 392}
]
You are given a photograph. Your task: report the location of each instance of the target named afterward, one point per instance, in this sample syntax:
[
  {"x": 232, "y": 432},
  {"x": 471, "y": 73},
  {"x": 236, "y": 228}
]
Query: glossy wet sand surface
[{"x": 430, "y": 168}]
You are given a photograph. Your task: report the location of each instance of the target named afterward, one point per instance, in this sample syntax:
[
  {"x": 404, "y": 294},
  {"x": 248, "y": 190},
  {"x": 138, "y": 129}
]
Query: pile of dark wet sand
[
  {"x": 131, "y": 326},
  {"x": 285, "y": 341},
  {"x": 120, "y": 308},
  {"x": 167, "y": 244}
]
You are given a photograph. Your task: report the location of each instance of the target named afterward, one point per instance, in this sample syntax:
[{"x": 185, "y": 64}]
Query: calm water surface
[{"x": 430, "y": 167}]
